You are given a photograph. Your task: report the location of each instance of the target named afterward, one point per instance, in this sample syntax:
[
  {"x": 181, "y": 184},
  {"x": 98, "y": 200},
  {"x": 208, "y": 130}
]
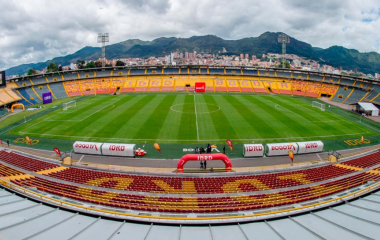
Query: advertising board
[{"x": 253, "y": 150}]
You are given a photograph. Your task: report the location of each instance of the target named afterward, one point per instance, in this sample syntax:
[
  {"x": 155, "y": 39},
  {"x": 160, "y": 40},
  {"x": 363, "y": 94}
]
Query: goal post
[
  {"x": 70, "y": 104},
  {"x": 319, "y": 105}
]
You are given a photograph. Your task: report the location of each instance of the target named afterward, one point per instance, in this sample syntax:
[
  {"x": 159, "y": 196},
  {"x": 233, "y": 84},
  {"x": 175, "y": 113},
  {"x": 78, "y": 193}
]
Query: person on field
[
  {"x": 205, "y": 164},
  {"x": 8, "y": 142},
  {"x": 202, "y": 150},
  {"x": 196, "y": 150},
  {"x": 209, "y": 149},
  {"x": 224, "y": 149},
  {"x": 201, "y": 165}
]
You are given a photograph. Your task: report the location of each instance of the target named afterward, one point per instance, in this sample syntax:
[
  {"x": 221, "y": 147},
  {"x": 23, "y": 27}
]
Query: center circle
[{"x": 191, "y": 108}]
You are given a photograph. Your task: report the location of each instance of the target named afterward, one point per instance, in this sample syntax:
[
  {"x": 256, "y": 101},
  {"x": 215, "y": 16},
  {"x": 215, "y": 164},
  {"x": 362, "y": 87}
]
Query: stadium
[{"x": 289, "y": 154}]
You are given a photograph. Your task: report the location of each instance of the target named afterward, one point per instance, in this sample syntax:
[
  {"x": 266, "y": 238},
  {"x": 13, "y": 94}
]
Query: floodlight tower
[
  {"x": 284, "y": 39},
  {"x": 103, "y": 38}
]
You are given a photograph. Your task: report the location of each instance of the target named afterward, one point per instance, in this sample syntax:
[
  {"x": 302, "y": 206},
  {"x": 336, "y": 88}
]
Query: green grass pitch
[{"x": 189, "y": 118}]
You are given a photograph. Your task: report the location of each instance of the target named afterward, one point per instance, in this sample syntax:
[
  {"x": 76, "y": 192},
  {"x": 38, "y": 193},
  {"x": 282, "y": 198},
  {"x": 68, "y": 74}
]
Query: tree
[
  {"x": 98, "y": 64},
  {"x": 120, "y": 63},
  {"x": 52, "y": 67},
  {"x": 32, "y": 71},
  {"x": 287, "y": 65},
  {"x": 80, "y": 64},
  {"x": 90, "y": 65}
]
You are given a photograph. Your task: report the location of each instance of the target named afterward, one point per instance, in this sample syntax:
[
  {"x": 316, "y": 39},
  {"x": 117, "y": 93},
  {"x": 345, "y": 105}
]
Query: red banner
[
  {"x": 229, "y": 144},
  {"x": 157, "y": 146},
  {"x": 56, "y": 150}
]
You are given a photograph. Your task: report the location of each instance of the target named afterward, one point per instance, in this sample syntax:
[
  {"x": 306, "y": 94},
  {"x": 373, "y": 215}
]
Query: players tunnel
[{"x": 204, "y": 157}]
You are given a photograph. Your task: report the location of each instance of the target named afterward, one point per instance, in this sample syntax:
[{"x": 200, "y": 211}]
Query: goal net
[
  {"x": 69, "y": 105},
  {"x": 319, "y": 105}
]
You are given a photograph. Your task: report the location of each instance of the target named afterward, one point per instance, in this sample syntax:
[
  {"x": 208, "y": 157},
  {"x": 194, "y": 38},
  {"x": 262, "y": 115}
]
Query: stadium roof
[{"x": 21, "y": 218}]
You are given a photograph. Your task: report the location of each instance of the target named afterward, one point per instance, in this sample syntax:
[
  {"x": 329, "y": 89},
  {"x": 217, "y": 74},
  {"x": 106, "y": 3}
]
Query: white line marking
[
  {"x": 176, "y": 140},
  {"x": 277, "y": 105},
  {"x": 319, "y": 156},
  {"x": 81, "y": 158},
  {"x": 196, "y": 118}
]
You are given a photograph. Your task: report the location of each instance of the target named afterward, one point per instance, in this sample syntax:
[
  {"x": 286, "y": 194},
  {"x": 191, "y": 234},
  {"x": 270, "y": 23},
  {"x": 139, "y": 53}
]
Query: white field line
[
  {"x": 15, "y": 127},
  {"x": 176, "y": 140},
  {"x": 319, "y": 157},
  {"x": 196, "y": 118},
  {"x": 277, "y": 105}
]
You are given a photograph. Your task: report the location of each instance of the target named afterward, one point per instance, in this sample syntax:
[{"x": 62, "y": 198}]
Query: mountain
[{"x": 335, "y": 56}]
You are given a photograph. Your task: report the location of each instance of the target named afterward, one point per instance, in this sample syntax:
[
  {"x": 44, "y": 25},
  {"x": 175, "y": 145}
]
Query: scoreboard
[{"x": 2, "y": 79}]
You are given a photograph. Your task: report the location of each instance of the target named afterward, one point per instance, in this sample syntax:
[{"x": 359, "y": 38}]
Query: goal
[
  {"x": 70, "y": 104},
  {"x": 319, "y": 105}
]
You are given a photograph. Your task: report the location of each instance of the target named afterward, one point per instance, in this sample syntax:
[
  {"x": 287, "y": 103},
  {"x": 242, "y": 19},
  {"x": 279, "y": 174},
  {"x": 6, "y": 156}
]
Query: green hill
[{"x": 335, "y": 56}]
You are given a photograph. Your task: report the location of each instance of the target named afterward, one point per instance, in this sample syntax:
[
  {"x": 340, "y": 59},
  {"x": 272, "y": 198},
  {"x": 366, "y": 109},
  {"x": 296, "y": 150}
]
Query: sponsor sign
[
  {"x": 46, "y": 98},
  {"x": 87, "y": 147},
  {"x": 229, "y": 142},
  {"x": 291, "y": 155},
  {"x": 278, "y": 149},
  {"x": 200, "y": 87},
  {"x": 118, "y": 149},
  {"x": 253, "y": 150},
  {"x": 310, "y": 147}
]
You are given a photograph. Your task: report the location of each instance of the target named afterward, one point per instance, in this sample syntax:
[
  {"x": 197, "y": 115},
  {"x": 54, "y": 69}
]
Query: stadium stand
[
  {"x": 180, "y": 84},
  {"x": 342, "y": 94},
  {"x": 102, "y": 85},
  {"x": 24, "y": 162},
  {"x": 39, "y": 80},
  {"x": 356, "y": 96},
  {"x": 73, "y": 88},
  {"x": 216, "y": 71},
  {"x": 3, "y": 111},
  {"x": 250, "y": 72},
  {"x": 154, "y": 84},
  {"x": 298, "y": 75},
  {"x": 28, "y": 98},
  {"x": 171, "y": 70},
  {"x": 116, "y": 83},
  {"x": 203, "y": 70},
  {"x": 233, "y": 71},
  {"x": 120, "y": 72},
  {"x": 299, "y": 88},
  {"x": 33, "y": 94},
  {"x": 315, "y": 77},
  {"x": 5, "y": 97},
  {"x": 23, "y": 83},
  {"x": 58, "y": 90},
  {"x": 184, "y": 70},
  {"x": 129, "y": 85},
  {"x": 87, "y": 74},
  {"x": 313, "y": 89},
  {"x": 282, "y": 74},
  {"x": 362, "y": 84},
  {"x": 245, "y": 86},
  {"x": 10, "y": 90},
  {"x": 54, "y": 78},
  {"x": 347, "y": 81},
  {"x": 106, "y": 73},
  {"x": 41, "y": 89},
  {"x": 135, "y": 72},
  {"x": 168, "y": 84},
  {"x": 69, "y": 76},
  {"x": 233, "y": 85},
  {"x": 141, "y": 85},
  {"x": 87, "y": 86},
  {"x": 154, "y": 71},
  {"x": 220, "y": 85},
  {"x": 265, "y": 73},
  {"x": 331, "y": 79},
  {"x": 258, "y": 86},
  {"x": 328, "y": 89},
  {"x": 284, "y": 86},
  {"x": 270, "y": 84},
  {"x": 195, "y": 70}
]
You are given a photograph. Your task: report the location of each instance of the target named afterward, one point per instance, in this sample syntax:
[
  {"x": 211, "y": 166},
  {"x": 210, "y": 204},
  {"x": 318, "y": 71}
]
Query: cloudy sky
[{"x": 38, "y": 30}]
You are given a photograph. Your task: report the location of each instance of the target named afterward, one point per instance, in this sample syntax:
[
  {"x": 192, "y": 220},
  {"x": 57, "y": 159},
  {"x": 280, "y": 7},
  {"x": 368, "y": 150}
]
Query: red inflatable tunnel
[{"x": 204, "y": 157}]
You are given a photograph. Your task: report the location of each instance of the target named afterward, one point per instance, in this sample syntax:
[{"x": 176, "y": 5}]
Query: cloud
[{"x": 34, "y": 31}]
